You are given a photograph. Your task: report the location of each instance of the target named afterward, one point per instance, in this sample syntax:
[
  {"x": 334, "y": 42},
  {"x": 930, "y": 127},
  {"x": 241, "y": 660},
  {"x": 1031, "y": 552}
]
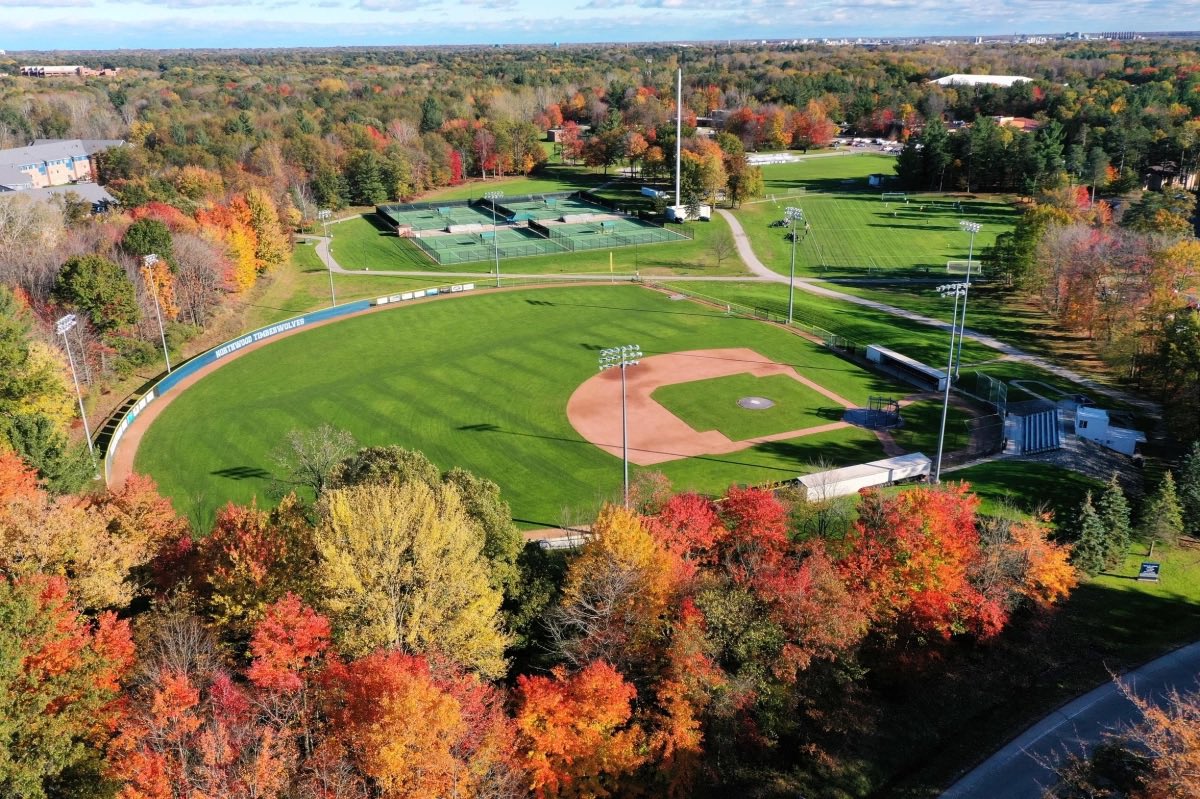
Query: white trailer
[
  {"x": 1094, "y": 424},
  {"x": 852, "y": 479}
]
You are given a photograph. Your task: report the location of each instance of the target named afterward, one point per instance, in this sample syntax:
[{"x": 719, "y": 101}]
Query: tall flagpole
[{"x": 678, "y": 129}]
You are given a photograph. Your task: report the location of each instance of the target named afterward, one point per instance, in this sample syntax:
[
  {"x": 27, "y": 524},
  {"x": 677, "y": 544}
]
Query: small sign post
[{"x": 1149, "y": 572}]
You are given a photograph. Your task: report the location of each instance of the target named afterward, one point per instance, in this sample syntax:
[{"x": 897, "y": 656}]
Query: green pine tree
[
  {"x": 1114, "y": 512},
  {"x": 1189, "y": 491},
  {"x": 1162, "y": 519},
  {"x": 1091, "y": 539}
]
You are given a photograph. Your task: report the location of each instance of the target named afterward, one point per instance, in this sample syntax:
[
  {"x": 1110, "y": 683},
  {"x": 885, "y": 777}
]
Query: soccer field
[
  {"x": 852, "y": 231},
  {"x": 480, "y": 382}
]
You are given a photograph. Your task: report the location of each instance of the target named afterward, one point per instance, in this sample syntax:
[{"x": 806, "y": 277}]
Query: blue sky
[{"x": 108, "y": 24}]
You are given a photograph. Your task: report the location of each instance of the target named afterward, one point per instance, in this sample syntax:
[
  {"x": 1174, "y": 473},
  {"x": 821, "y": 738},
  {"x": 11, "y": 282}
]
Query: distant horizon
[
  {"x": 933, "y": 37},
  {"x": 109, "y": 25}
]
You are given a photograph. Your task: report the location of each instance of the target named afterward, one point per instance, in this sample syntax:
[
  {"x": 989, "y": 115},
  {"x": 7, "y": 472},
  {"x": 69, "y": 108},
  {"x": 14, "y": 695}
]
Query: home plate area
[{"x": 702, "y": 402}]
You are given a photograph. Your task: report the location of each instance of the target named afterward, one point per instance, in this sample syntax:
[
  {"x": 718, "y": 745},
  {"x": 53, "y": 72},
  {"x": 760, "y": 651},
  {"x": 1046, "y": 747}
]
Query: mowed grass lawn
[
  {"x": 856, "y": 322},
  {"x": 713, "y": 405},
  {"x": 480, "y": 381},
  {"x": 852, "y": 231},
  {"x": 365, "y": 243}
]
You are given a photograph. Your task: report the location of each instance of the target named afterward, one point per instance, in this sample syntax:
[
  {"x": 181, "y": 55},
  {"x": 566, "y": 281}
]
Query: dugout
[{"x": 906, "y": 368}]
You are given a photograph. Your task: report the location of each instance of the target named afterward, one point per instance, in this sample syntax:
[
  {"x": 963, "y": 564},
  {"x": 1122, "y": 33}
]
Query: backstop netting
[{"x": 992, "y": 391}]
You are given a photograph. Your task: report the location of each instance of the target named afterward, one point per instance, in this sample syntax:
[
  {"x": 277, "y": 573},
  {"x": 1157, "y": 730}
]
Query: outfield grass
[
  {"x": 366, "y": 244},
  {"x": 482, "y": 382},
  {"x": 853, "y": 232},
  {"x": 712, "y": 405}
]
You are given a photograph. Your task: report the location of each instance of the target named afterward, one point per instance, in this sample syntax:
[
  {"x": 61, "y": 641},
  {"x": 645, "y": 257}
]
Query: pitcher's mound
[{"x": 756, "y": 403}]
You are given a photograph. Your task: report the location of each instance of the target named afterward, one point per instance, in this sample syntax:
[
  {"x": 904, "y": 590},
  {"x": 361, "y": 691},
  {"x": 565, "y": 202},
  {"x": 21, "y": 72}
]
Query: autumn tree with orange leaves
[
  {"x": 576, "y": 732},
  {"x": 60, "y": 683}
]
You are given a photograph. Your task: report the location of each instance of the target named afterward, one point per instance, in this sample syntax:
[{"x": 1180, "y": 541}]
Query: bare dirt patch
[{"x": 655, "y": 434}]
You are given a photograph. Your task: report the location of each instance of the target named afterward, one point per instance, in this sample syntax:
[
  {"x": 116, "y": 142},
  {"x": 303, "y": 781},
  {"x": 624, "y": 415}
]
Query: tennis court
[
  {"x": 465, "y": 231},
  {"x": 610, "y": 232},
  {"x": 421, "y": 217}
]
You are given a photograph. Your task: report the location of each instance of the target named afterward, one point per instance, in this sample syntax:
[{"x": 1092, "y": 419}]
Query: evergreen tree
[
  {"x": 935, "y": 154},
  {"x": 36, "y": 438},
  {"x": 364, "y": 174},
  {"x": 1162, "y": 519},
  {"x": 1189, "y": 491},
  {"x": 1091, "y": 540},
  {"x": 1114, "y": 512},
  {"x": 99, "y": 288},
  {"x": 147, "y": 236},
  {"x": 432, "y": 115}
]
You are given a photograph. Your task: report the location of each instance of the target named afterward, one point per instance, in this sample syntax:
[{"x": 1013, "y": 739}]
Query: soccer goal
[
  {"x": 961, "y": 267},
  {"x": 894, "y": 196}
]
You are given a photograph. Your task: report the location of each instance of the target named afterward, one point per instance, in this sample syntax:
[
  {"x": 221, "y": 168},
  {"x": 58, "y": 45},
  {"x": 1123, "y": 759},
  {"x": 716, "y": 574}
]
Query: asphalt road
[{"x": 1024, "y": 767}]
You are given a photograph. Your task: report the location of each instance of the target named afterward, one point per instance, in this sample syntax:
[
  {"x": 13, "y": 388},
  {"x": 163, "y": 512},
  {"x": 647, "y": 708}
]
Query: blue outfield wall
[{"x": 186, "y": 370}]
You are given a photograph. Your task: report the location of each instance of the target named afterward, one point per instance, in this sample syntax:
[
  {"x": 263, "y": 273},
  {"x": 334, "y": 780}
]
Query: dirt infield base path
[{"x": 655, "y": 434}]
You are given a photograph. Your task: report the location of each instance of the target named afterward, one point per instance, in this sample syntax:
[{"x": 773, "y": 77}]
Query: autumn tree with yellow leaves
[{"x": 402, "y": 566}]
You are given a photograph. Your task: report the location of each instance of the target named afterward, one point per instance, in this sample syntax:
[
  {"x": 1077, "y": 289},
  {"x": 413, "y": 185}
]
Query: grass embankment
[{"x": 921, "y": 721}]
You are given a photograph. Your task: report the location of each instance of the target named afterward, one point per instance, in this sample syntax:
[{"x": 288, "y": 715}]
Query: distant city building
[
  {"x": 51, "y": 162},
  {"x": 981, "y": 80},
  {"x": 50, "y": 71}
]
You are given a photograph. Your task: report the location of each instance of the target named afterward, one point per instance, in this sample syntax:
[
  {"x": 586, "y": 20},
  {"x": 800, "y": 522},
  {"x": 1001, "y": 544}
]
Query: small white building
[{"x": 1093, "y": 424}]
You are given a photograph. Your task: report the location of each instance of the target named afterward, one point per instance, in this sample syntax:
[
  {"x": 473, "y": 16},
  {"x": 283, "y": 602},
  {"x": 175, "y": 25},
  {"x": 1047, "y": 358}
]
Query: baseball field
[{"x": 484, "y": 382}]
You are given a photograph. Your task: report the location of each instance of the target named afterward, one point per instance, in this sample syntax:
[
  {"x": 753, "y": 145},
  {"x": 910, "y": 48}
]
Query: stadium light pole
[
  {"x": 62, "y": 326},
  {"x": 148, "y": 263},
  {"x": 620, "y": 358},
  {"x": 324, "y": 215},
  {"x": 972, "y": 228},
  {"x": 493, "y": 196},
  {"x": 792, "y": 215},
  {"x": 956, "y": 290}
]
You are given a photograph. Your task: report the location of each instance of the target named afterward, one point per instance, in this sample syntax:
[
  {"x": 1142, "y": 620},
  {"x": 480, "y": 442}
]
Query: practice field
[
  {"x": 850, "y": 229},
  {"x": 712, "y": 405},
  {"x": 481, "y": 382}
]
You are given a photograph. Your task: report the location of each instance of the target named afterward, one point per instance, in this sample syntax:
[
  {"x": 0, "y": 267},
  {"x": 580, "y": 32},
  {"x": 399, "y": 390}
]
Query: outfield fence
[{"x": 109, "y": 436}]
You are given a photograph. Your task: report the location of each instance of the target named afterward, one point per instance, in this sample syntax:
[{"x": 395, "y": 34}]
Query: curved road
[
  {"x": 1024, "y": 766},
  {"x": 763, "y": 273}
]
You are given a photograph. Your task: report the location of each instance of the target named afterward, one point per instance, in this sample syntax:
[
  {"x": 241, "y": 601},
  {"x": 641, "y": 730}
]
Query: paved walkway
[
  {"x": 1023, "y": 767},
  {"x": 763, "y": 272}
]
